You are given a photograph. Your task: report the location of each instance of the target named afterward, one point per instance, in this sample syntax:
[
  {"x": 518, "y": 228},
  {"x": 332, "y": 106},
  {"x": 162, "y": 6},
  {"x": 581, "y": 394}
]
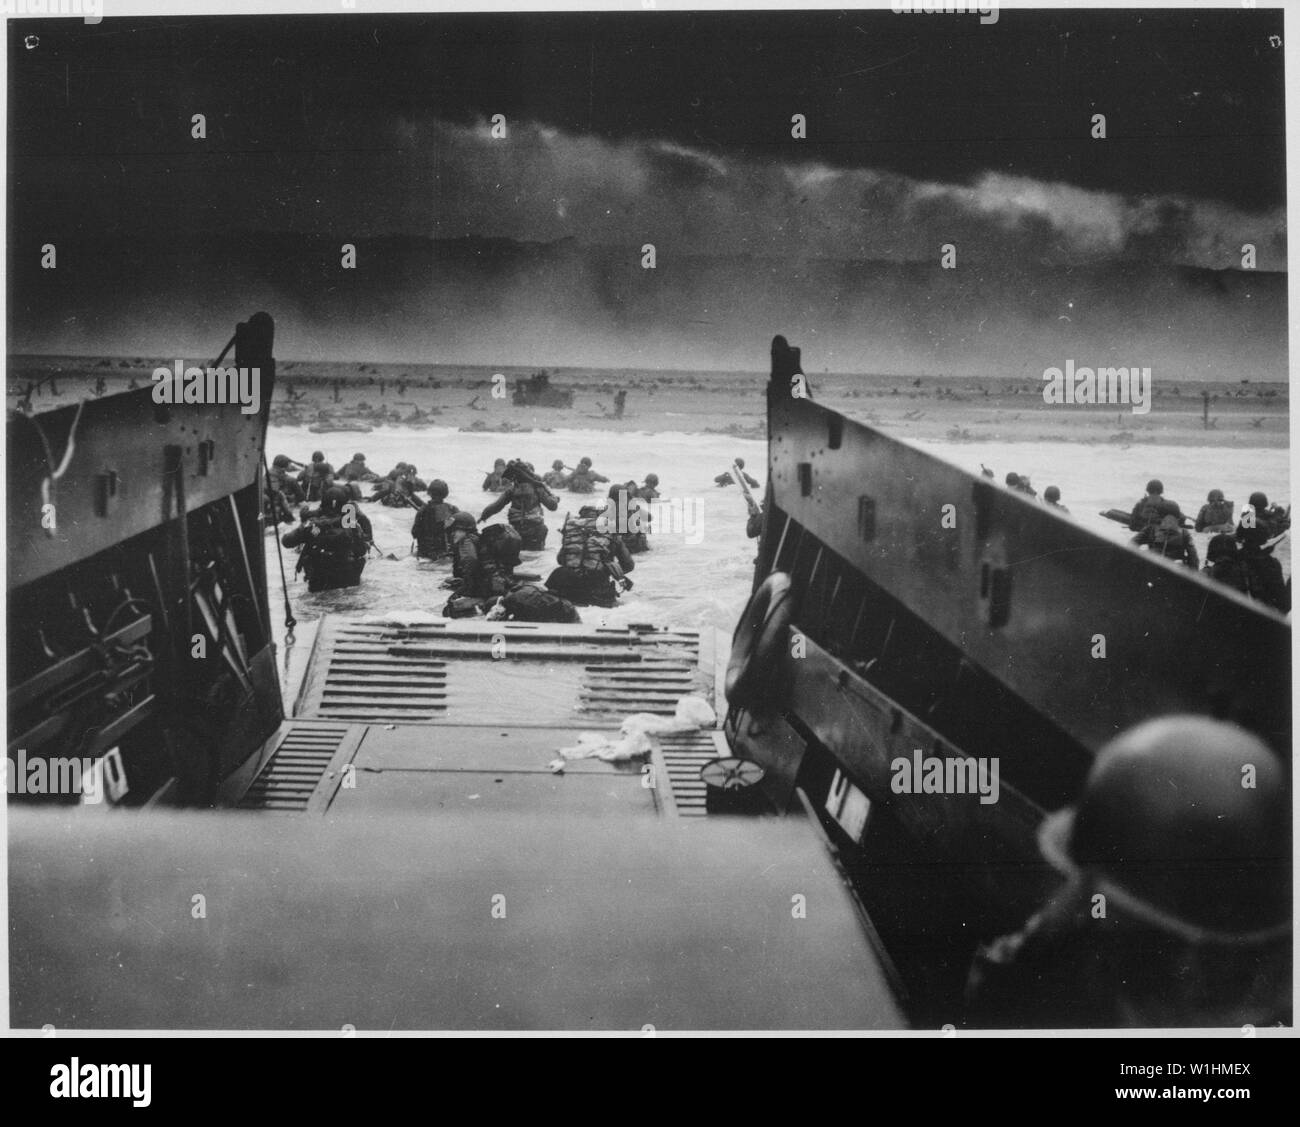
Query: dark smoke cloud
[
  {"x": 541, "y": 183},
  {"x": 528, "y": 250}
]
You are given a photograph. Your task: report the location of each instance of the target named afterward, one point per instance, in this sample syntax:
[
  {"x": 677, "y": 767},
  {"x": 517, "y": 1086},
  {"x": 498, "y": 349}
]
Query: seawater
[{"x": 706, "y": 583}]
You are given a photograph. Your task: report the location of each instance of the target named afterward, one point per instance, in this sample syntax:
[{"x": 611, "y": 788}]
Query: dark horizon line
[{"x": 555, "y": 369}]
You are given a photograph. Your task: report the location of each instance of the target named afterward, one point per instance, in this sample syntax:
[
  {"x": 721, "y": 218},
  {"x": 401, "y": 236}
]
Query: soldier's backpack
[
  {"x": 462, "y": 606},
  {"x": 532, "y": 603},
  {"x": 330, "y": 538},
  {"x": 584, "y": 548},
  {"x": 502, "y": 543}
]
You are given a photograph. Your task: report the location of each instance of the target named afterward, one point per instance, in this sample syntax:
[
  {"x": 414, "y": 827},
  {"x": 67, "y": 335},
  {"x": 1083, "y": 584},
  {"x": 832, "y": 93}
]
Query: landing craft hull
[
  {"x": 139, "y": 626},
  {"x": 935, "y": 610},
  {"x": 411, "y": 809}
]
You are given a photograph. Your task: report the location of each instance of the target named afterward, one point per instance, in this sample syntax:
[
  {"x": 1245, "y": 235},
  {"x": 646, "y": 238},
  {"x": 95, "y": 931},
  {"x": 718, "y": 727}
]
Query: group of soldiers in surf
[
  {"x": 1240, "y": 551},
  {"x": 596, "y": 546}
]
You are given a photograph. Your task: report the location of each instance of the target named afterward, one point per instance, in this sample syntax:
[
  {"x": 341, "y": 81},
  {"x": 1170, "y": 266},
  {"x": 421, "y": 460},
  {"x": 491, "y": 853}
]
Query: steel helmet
[
  {"x": 1215, "y": 495},
  {"x": 333, "y": 498},
  {"x": 1155, "y": 486},
  {"x": 438, "y": 488},
  {"x": 1183, "y": 824},
  {"x": 1222, "y": 546},
  {"x": 1051, "y": 493},
  {"x": 463, "y": 520}
]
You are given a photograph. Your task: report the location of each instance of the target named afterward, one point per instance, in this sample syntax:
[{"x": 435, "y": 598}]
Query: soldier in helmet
[
  {"x": 1150, "y": 509},
  {"x": 429, "y": 530},
  {"x": 480, "y": 572},
  {"x": 1216, "y": 514},
  {"x": 628, "y": 517},
  {"x": 527, "y": 495},
  {"x": 399, "y": 488},
  {"x": 281, "y": 491},
  {"x": 1052, "y": 495},
  {"x": 1176, "y": 903},
  {"x": 593, "y": 561},
  {"x": 728, "y": 479},
  {"x": 334, "y": 540},
  {"x": 281, "y": 479},
  {"x": 316, "y": 478},
  {"x": 1020, "y": 483},
  {"x": 1224, "y": 563},
  {"x": 584, "y": 478},
  {"x": 555, "y": 477},
  {"x": 1167, "y": 536},
  {"x": 1255, "y": 534},
  {"x": 495, "y": 482}
]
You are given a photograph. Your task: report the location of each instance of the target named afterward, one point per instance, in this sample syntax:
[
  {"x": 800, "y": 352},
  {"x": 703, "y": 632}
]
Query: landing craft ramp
[
  {"x": 444, "y": 714},
  {"x": 415, "y": 863}
]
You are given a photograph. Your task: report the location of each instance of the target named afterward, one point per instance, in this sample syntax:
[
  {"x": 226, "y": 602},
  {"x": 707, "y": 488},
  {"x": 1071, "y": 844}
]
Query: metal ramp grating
[
  {"x": 383, "y": 671},
  {"x": 296, "y": 768},
  {"x": 366, "y": 679},
  {"x": 652, "y": 684},
  {"x": 681, "y": 756}
]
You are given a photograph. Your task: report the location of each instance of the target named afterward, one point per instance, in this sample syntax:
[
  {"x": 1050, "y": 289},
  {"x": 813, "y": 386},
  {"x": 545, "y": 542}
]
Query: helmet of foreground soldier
[
  {"x": 1184, "y": 824},
  {"x": 333, "y": 499}
]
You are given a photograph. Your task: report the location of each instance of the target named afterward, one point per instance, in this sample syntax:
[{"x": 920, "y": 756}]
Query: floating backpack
[{"x": 532, "y": 603}]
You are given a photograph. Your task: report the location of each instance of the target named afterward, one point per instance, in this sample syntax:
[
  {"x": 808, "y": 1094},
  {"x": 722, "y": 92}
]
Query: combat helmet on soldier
[{"x": 1177, "y": 903}]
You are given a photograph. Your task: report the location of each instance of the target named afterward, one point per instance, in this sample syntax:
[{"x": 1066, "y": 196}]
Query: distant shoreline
[{"x": 950, "y": 409}]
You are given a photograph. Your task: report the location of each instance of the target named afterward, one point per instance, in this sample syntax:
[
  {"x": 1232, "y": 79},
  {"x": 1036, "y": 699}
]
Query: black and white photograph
[{"x": 648, "y": 521}]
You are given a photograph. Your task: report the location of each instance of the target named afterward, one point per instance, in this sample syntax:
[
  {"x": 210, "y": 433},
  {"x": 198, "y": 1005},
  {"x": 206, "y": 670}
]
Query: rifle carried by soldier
[{"x": 753, "y": 526}]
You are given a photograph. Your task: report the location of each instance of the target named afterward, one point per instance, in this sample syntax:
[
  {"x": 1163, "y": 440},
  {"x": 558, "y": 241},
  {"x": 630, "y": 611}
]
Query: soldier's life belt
[{"x": 758, "y": 645}]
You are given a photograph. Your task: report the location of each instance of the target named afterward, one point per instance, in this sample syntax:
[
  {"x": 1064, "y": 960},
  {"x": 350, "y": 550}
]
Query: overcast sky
[
  {"x": 627, "y": 125},
  {"x": 663, "y": 128}
]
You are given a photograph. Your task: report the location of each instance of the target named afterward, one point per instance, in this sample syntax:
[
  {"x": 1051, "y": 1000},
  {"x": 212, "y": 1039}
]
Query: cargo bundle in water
[{"x": 942, "y": 703}]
